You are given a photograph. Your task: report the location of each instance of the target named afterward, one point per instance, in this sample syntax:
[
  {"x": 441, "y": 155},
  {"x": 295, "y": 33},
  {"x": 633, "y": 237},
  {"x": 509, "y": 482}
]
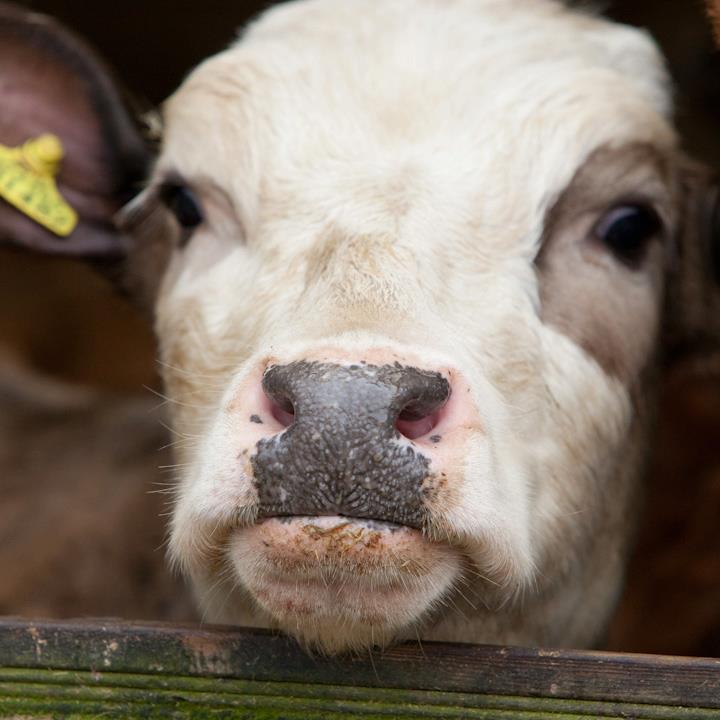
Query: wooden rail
[{"x": 112, "y": 669}]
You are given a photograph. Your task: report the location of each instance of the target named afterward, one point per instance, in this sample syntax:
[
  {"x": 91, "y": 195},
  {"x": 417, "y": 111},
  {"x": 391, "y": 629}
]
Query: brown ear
[
  {"x": 713, "y": 7},
  {"x": 693, "y": 297},
  {"x": 52, "y": 82}
]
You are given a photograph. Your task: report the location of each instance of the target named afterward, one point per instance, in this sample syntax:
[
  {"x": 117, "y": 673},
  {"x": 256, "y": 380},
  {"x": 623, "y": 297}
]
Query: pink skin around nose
[
  {"x": 439, "y": 436},
  {"x": 310, "y": 573}
]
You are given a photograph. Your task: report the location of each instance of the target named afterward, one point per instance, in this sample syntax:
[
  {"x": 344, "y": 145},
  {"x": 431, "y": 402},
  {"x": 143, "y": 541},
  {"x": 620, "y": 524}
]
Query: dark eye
[
  {"x": 183, "y": 203},
  {"x": 627, "y": 230}
]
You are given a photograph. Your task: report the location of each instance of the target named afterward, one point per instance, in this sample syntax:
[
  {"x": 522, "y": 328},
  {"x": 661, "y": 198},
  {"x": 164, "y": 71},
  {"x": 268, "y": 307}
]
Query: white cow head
[{"x": 412, "y": 265}]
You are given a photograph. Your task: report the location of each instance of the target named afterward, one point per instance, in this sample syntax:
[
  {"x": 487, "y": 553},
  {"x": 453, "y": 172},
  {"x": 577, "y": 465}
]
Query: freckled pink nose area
[
  {"x": 352, "y": 439},
  {"x": 409, "y": 423},
  {"x": 415, "y": 406}
]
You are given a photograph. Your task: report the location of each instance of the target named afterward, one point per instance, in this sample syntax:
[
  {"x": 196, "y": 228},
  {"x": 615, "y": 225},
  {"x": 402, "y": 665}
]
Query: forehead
[{"x": 450, "y": 98}]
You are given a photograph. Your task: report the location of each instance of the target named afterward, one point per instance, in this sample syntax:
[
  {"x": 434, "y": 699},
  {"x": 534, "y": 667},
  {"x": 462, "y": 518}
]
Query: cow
[{"x": 413, "y": 266}]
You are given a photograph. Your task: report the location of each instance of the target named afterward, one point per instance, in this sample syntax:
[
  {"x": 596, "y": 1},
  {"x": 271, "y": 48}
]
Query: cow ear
[
  {"x": 70, "y": 153},
  {"x": 713, "y": 7},
  {"x": 693, "y": 297}
]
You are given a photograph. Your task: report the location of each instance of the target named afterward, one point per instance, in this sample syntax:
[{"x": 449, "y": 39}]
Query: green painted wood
[
  {"x": 107, "y": 668},
  {"x": 33, "y": 692}
]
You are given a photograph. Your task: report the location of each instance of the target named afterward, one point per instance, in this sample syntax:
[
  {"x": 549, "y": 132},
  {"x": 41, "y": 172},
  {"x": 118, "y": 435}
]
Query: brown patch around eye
[{"x": 601, "y": 283}]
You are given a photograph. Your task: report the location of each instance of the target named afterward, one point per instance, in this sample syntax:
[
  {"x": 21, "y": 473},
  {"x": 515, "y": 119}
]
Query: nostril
[
  {"x": 325, "y": 394},
  {"x": 277, "y": 386},
  {"x": 283, "y": 411},
  {"x": 424, "y": 394},
  {"x": 413, "y": 426}
]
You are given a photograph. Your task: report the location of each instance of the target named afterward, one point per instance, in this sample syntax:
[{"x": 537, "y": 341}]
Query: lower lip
[
  {"x": 344, "y": 568},
  {"x": 305, "y": 549}
]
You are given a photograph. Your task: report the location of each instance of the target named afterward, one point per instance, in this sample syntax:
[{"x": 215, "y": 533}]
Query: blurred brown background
[{"x": 57, "y": 317}]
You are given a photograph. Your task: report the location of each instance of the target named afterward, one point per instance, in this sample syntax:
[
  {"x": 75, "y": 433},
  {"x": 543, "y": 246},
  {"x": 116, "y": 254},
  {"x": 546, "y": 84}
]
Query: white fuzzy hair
[{"x": 377, "y": 177}]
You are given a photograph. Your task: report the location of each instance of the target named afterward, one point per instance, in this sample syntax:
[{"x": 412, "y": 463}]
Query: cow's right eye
[
  {"x": 184, "y": 205},
  {"x": 627, "y": 230}
]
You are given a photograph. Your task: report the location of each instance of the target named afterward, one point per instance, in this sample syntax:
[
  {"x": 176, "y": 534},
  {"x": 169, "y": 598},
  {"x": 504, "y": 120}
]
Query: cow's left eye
[
  {"x": 184, "y": 204},
  {"x": 626, "y": 230}
]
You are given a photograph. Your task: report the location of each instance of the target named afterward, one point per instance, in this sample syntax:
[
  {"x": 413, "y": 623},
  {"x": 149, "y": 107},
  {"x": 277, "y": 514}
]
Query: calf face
[{"x": 415, "y": 263}]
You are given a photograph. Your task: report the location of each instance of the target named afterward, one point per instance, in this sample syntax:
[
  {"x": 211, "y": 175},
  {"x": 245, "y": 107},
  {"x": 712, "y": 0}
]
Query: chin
[{"x": 335, "y": 584}]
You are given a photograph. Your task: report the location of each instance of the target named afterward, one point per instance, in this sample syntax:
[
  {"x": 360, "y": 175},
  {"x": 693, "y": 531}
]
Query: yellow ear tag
[{"x": 27, "y": 181}]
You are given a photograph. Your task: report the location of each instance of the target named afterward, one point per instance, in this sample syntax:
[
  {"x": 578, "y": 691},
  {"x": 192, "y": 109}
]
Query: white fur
[{"x": 381, "y": 171}]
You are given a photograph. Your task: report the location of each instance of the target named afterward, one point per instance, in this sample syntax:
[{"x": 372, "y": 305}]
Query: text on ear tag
[{"x": 27, "y": 181}]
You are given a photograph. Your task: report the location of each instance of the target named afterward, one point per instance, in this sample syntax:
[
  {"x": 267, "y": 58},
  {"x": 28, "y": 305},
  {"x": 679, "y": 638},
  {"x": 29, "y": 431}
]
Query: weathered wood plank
[
  {"x": 85, "y": 668},
  {"x": 33, "y": 692}
]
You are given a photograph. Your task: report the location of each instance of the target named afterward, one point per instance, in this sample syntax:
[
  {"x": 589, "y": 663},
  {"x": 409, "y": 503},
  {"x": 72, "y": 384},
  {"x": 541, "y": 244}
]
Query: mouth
[
  {"x": 310, "y": 574},
  {"x": 309, "y": 549}
]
